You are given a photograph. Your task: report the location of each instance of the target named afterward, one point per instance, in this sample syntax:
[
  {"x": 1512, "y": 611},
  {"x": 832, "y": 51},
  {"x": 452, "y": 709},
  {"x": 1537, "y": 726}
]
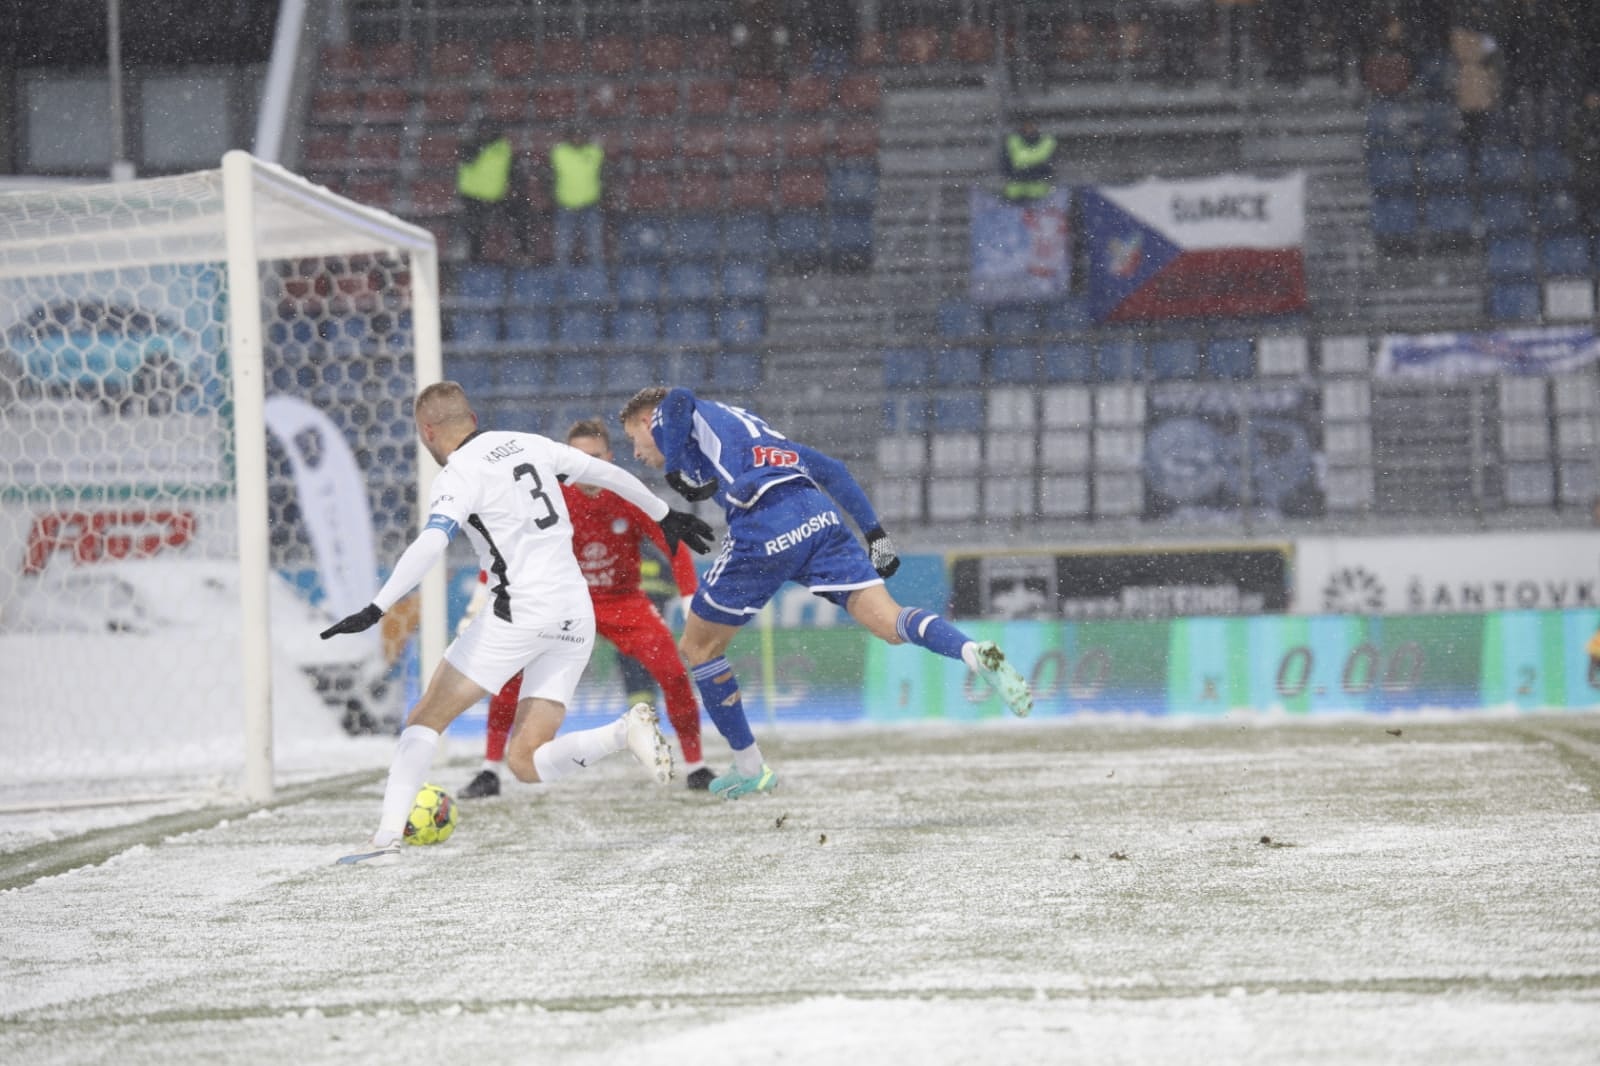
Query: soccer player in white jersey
[{"x": 504, "y": 490}]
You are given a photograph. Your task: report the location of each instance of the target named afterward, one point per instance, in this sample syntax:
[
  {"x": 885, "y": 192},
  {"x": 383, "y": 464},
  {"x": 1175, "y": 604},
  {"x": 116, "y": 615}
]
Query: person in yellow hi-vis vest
[
  {"x": 575, "y": 165},
  {"x": 492, "y": 190},
  {"x": 1028, "y": 163}
]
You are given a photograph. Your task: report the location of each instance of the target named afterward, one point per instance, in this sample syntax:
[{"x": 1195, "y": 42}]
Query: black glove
[
  {"x": 359, "y": 622},
  {"x": 691, "y": 491},
  {"x": 884, "y": 559},
  {"x": 681, "y": 526}
]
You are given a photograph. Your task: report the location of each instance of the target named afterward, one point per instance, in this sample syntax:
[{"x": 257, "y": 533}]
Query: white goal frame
[{"x": 268, "y": 213}]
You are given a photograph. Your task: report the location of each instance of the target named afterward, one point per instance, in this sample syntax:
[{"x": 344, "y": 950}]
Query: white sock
[
  {"x": 413, "y": 754},
  {"x": 748, "y": 761},
  {"x": 969, "y": 655},
  {"x": 571, "y": 752},
  {"x": 691, "y": 767},
  {"x": 493, "y": 767}
]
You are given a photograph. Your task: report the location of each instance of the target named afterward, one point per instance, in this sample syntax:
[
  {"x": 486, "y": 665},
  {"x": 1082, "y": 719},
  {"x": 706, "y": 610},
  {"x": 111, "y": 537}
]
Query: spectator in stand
[
  {"x": 1583, "y": 149},
  {"x": 1477, "y": 74},
  {"x": 1536, "y": 39},
  {"x": 492, "y": 190},
  {"x": 576, "y": 163},
  {"x": 758, "y": 40},
  {"x": 1182, "y": 25},
  {"x": 1028, "y": 163},
  {"x": 1287, "y": 28},
  {"x": 1391, "y": 63}
]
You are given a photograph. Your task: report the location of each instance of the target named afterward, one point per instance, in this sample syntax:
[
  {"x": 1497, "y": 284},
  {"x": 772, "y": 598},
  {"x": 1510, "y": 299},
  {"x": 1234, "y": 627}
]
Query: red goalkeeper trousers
[{"x": 631, "y": 622}]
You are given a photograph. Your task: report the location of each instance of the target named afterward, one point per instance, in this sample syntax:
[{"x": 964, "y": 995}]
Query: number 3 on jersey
[{"x": 536, "y": 490}]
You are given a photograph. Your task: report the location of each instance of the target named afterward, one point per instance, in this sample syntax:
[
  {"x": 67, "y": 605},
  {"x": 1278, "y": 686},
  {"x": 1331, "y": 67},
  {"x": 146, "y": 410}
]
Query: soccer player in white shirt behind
[{"x": 504, "y": 490}]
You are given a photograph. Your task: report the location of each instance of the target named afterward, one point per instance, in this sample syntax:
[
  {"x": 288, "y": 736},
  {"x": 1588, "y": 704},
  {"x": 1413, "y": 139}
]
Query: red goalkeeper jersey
[{"x": 606, "y": 533}]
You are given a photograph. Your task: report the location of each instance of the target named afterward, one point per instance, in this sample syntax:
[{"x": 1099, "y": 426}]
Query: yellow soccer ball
[{"x": 432, "y": 818}]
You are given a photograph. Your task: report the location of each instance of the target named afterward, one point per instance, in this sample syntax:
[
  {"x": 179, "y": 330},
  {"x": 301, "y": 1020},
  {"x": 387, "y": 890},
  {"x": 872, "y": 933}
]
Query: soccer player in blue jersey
[{"x": 782, "y": 526}]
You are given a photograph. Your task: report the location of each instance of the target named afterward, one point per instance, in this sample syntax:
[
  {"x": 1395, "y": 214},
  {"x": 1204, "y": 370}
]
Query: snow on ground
[{"x": 1013, "y": 893}]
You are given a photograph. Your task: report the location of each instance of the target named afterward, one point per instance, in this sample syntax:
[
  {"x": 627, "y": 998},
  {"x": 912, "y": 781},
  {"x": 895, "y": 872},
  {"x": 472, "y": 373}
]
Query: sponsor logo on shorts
[{"x": 811, "y": 526}]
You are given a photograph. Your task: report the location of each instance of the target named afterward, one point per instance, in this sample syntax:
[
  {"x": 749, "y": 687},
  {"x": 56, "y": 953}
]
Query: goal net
[{"x": 206, "y": 448}]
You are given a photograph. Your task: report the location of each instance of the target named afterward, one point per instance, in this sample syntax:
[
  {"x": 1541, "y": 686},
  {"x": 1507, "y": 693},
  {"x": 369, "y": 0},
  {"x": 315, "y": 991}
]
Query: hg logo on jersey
[
  {"x": 785, "y": 541},
  {"x": 766, "y": 455}
]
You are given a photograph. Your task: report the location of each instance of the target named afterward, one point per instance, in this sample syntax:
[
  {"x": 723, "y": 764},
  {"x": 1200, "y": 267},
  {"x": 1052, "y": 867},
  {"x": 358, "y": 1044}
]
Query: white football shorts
[{"x": 552, "y": 656}]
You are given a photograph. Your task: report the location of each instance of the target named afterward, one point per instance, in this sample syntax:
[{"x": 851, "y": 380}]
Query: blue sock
[
  {"x": 719, "y": 692},
  {"x": 927, "y": 630}
]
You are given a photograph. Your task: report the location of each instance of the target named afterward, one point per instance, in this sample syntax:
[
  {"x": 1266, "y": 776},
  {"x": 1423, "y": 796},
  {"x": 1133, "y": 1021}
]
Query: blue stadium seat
[
  {"x": 574, "y": 375},
  {"x": 684, "y": 368},
  {"x": 736, "y": 371},
  {"x": 1506, "y": 213},
  {"x": 1068, "y": 362},
  {"x": 1174, "y": 359},
  {"x": 476, "y": 374},
  {"x": 528, "y": 326},
  {"x": 1015, "y": 364},
  {"x": 1514, "y": 301},
  {"x": 958, "y": 318},
  {"x": 744, "y": 280},
  {"x": 1444, "y": 166},
  {"x": 798, "y": 236},
  {"x": 1119, "y": 360},
  {"x": 852, "y": 185},
  {"x": 638, "y": 283},
  {"x": 1394, "y": 218},
  {"x": 1566, "y": 255},
  {"x": 586, "y": 286},
  {"x": 1391, "y": 169},
  {"x": 686, "y": 325},
  {"x": 475, "y": 329},
  {"x": 741, "y": 323},
  {"x": 691, "y": 282},
  {"x": 642, "y": 239},
  {"x": 627, "y": 374},
  {"x": 533, "y": 287},
  {"x": 905, "y": 414},
  {"x": 695, "y": 237},
  {"x": 1500, "y": 166},
  {"x": 1550, "y": 165},
  {"x": 1448, "y": 216},
  {"x": 1388, "y": 123},
  {"x": 747, "y": 236},
  {"x": 1068, "y": 316},
  {"x": 1437, "y": 121},
  {"x": 958, "y": 412},
  {"x": 1558, "y": 212},
  {"x": 1511, "y": 259},
  {"x": 1015, "y": 321},
  {"x": 850, "y": 239},
  {"x": 480, "y": 285},
  {"x": 907, "y": 368},
  {"x": 1230, "y": 359},
  {"x": 635, "y": 325},
  {"x": 957, "y": 366},
  {"x": 526, "y": 375},
  {"x": 580, "y": 327}
]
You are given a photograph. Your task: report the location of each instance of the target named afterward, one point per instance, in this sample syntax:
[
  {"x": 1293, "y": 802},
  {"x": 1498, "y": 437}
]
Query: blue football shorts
[{"x": 793, "y": 534}]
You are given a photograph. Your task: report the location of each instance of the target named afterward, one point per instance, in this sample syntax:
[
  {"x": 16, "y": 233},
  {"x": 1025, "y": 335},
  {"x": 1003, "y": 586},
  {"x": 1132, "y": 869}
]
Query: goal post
[{"x": 164, "y": 528}]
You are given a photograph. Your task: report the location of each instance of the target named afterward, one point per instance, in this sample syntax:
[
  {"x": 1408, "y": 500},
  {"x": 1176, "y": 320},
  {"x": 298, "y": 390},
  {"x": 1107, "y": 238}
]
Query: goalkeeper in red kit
[{"x": 606, "y": 534}]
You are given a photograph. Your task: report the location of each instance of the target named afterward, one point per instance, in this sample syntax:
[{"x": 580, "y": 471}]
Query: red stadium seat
[
  {"x": 656, "y": 99},
  {"x": 809, "y": 95},
  {"x": 758, "y": 96},
  {"x": 806, "y": 140},
  {"x": 872, "y": 50},
  {"x": 1129, "y": 39},
  {"x": 514, "y": 60},
  {"x": 710, "y": 97},
  {"x": 709, "y": 53},
  {"x": 537, "y": 141},
  {"x": 750, "y": 190},
  {"x": 561, "y": 56},
  {"x": 385, "y": 105},
  {"x": 394, "y": 61},
  {"x": 857, "y": 139},
  {"x": 754, "y": 144},
  {"x": 325, "y": 149},
  {"x": 377, "y": 192},
  {"x": 918, "y": 45},
  {"x": 341, "y": 62},
  {"x": 972, "y": 44},
  {"x": 860, "y": 93},
  {"x": 661, "y": 55},
  {"x": 506, "y": 103},
  {"x": 431, "y": 197},
  {"x": 607, "y": 100},
  {"x": 802, "y": 187},
  {"x": 653, "y": 144},
  {"x": 375, "y": 149},
  {"x": 446, "y": 105},
  {"x": 1078, "y": 43},
  {"x": 702, "y": 193},
  {"x": 650, "y": 192},
  {"x": 705, "y": 144},
  {"x": 453, "y": 60},
  {"x": 438, "y": 149},
  {"x": 555, "y": 103},
  {"x": 611, "y": 55},
  {"x": 335, "y": 106}
]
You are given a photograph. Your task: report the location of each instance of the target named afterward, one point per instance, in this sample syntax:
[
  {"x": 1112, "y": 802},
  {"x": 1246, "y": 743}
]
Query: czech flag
[{"x": 1229, "y": 245}]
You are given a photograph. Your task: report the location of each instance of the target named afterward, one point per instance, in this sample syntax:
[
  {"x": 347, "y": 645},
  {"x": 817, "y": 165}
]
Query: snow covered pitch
[{"x": 1366, "y": 891}]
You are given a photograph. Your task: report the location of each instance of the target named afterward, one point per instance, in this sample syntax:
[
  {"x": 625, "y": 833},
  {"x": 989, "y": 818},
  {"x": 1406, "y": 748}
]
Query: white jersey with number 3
[{"x": 504, "y": 490}]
